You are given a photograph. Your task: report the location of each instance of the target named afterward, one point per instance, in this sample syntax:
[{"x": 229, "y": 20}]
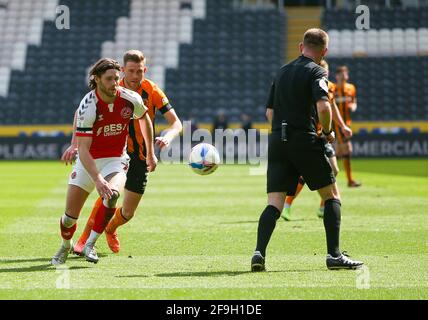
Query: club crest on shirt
[{"x": 126, "y": 113}]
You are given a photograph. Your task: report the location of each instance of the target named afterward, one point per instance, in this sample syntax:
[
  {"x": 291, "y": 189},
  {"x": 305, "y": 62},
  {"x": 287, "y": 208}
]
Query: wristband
[{"x": 327, "y": 133}]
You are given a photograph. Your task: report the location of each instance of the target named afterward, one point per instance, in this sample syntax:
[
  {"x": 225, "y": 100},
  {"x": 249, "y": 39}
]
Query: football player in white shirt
[{"x": 102, "y": 121}]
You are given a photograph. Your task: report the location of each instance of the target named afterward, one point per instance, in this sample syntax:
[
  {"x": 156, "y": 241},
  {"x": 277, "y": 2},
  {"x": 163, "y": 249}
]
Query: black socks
[
  {"x": 267, "y": 223},
  {"x": 332, "y": 218}
]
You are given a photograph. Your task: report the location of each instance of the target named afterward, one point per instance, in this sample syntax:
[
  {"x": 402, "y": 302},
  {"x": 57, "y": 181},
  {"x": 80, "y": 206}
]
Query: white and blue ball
[{"x": 204, "y": 159}]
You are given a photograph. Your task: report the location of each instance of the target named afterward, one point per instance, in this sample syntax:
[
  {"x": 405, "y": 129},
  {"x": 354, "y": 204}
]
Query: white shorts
[{"x": 80, "y": 177}]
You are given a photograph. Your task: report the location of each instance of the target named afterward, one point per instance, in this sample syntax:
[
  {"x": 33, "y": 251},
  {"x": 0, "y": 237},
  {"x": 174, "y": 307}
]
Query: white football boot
[
  {"x": 90, "y": 253},
  {"x": 61, "y": 255}
]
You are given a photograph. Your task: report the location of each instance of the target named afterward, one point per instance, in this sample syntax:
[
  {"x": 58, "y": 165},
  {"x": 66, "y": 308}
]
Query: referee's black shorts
[
  {"x": 302, "y": 155},
  {"x": 136, "y": 178}
]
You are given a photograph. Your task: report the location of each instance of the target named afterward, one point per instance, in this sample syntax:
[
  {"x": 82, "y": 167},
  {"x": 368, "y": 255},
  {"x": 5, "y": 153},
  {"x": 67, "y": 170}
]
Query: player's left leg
[
  {"x": 104, "y": 214},
  {"x": 135, "y": 187},
  {"x": 121, "y": 216},
  {"x": 267, "y": 223}
]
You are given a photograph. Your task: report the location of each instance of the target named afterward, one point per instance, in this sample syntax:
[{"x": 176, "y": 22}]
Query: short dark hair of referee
[{"x": 298, "y": 101}]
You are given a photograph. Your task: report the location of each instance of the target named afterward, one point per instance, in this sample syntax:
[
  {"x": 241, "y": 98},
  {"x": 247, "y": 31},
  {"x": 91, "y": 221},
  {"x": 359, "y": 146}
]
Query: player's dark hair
[
  {"x": 341, "y": 69},
  {"x": 315, "y": 38},
  {"x": 99, "y": 68},
  {"x": 134, "y": 55}
]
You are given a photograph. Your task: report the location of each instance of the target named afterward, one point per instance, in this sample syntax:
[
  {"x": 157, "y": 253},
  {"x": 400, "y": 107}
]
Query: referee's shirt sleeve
[
  {"x": 269, "y": 103},
  {"x": 319, "y": 84}
]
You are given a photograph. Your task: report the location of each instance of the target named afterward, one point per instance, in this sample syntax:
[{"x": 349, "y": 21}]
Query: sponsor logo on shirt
[{"x": 114, "y": 129}]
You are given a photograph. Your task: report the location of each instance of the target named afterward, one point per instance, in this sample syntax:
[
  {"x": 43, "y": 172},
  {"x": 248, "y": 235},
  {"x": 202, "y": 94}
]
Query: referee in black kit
[{"x": 298, "y": 100}]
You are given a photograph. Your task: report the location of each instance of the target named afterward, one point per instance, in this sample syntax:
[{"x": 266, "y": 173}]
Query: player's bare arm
[
  {"x": 70, "y": 153},
  {"x": 103, "y": 187},
  {"x": 269, "y": 114},
  {"x": 173, "y": 130},
  {"x": 347, "y": 132},
  {"x": 324, "y": 115},
  {"x": 147, "y": 131}
]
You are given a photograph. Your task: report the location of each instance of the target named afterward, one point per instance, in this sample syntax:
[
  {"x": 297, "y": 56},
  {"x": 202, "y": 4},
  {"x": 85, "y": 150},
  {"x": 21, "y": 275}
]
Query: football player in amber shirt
[{"x": 346, "y": 100}]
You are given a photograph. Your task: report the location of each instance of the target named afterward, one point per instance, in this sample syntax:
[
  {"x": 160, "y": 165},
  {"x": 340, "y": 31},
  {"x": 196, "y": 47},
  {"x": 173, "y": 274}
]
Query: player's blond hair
[
  {"x": 136, "y": 56},
  {"x": 316, "y": 39},
  {"x": 99, "y": 68}
]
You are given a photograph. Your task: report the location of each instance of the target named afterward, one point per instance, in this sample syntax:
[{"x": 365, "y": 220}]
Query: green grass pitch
[{"x": 193, "y": 238}]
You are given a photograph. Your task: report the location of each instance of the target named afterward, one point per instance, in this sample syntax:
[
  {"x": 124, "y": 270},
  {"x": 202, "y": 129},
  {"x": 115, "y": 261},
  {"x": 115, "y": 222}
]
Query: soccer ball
[{"x": 204, "y": 159}]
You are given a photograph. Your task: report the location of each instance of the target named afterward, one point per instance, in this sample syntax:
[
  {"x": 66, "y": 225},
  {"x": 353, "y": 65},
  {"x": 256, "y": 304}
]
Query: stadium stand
[
  {"x": 53, "y": 81},
  {"x": 208, "y": 55},
  {"x": 211, "y": 73},
  {"x": 387, "y": 63},
  {"x": 196, "y": 50}
]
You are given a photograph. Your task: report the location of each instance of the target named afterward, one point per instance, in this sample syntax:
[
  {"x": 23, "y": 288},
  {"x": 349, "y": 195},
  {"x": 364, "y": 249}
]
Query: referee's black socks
[
  {"x": 267, "y": 224},
  {"x": 332, "y": 219}
]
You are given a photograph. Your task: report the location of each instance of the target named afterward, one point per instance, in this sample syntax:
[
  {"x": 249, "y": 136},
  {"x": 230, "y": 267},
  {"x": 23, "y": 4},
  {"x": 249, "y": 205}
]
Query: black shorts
[
  {"x": 302, "y": 155},
  {"x": 136, "y": 178}
]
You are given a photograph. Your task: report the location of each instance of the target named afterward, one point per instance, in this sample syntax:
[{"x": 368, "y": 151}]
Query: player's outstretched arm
[
  {"x": 147, "y": 131},
  {"x": 103, "y": 187},
  {"x": 70, "y": 153},
  {"x": 173, "y": 131}
]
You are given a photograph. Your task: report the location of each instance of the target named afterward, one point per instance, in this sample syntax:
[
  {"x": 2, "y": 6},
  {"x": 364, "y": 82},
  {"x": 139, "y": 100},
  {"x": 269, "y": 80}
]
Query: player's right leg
[
  {"x": 282, "y": 176},
  {"x": 78, "y": 247},
  {"x": 76, "y": 197},
  {"x": 116, "y": 181}
]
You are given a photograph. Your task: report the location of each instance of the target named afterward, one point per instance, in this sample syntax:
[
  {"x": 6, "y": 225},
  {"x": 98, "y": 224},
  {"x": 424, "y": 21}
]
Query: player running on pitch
[
  {"x": 134, "y": 69},
  {"x": 329, "y": 150},
  {"x": 102, "y": 121}
]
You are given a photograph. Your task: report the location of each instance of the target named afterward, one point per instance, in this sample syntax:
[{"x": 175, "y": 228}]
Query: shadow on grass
[
  {"x": 239, "y": 222},
  {"x": 212, "y": 273},
  {"x": 43, "y": 267},
  {"x": 256, "y": 221},
  {"x": 4, "y": 261}
]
